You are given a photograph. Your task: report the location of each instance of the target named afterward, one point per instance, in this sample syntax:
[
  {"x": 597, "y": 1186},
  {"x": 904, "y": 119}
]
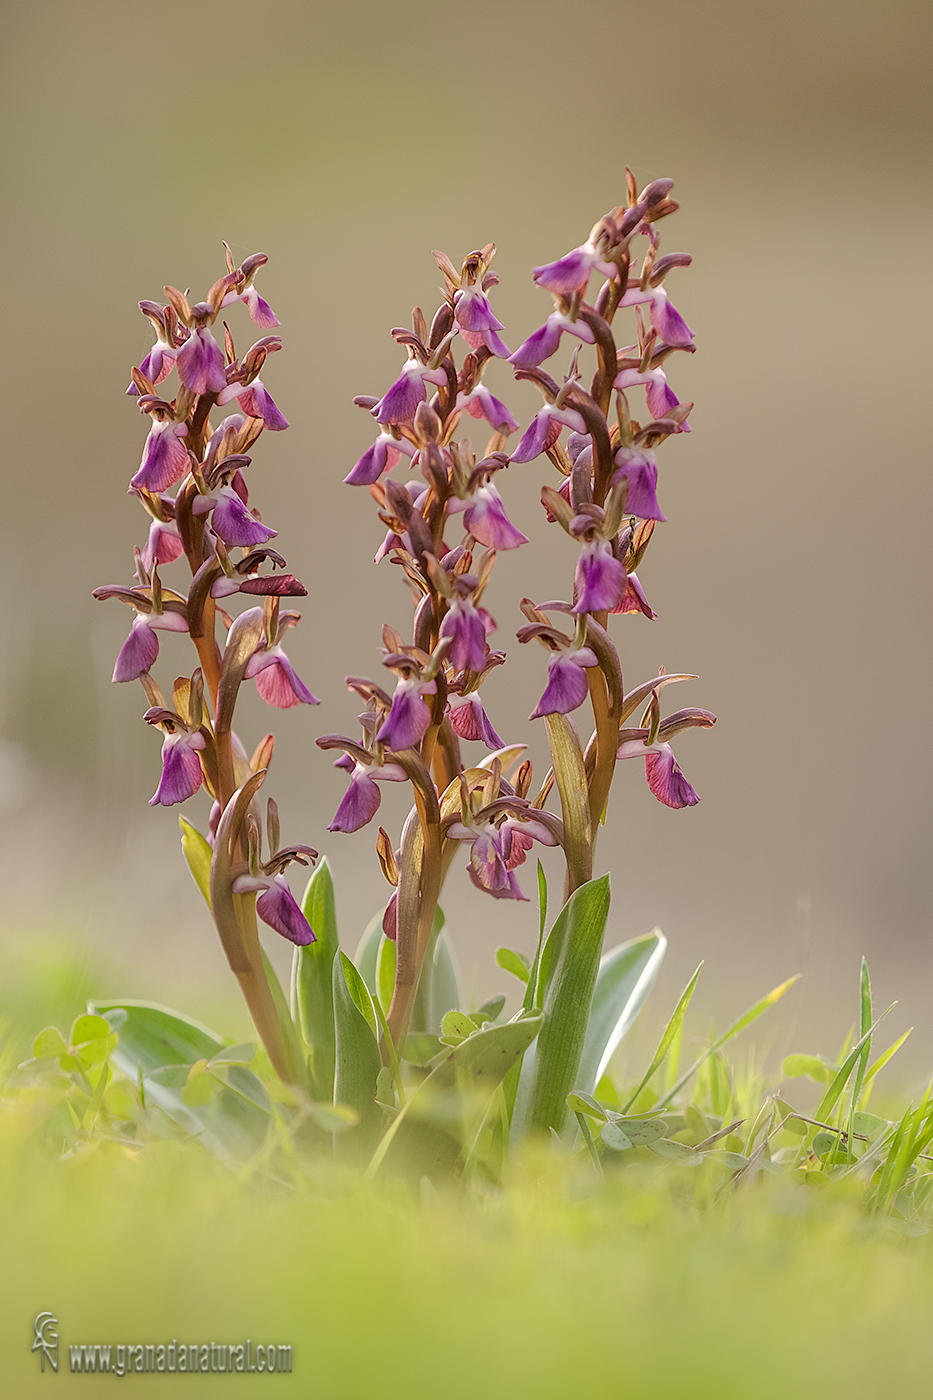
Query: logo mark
[{"x": 45, "y": 1343}]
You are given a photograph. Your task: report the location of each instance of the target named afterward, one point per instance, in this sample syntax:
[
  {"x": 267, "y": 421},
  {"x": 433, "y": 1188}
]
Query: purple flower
[
  {"x": 667, "y": 321},
  {"x": 633, "y": 599},
  {"x": 470, "y": 721},
  {"x": 380, "y": 458},
  {"x": 665, "y": 776},
  {"x": 182, "y": 775},
  {"x": 163, "y": 544},
  {"x": 516, "y": 837},
  {"x": 599, "y": 582},
  {"x": 542, "y": 343},
  {"x": 409, "y": 717},
  {"x": 661, "y": 397},
  {"x": 572, "y": 272},
  {"x": 487, "y": 867},
  {"x": 157, "y": 365},
  {"x": 566, "y": 682},
  {"x": 230, "y": 518},
  {"x": 362, "y": 797},
  {"x": 400, "y": 401},
  {"x": 487, "y": 522},
  {"x": 160, "y": 361},
  {"x": 256, "y": 401},
  {"x": 277, "y": 680},
  {"x": 165, "y": 456},
  {"x": 480, "y": 403},
  {"x": 466, "y": 626},
  {"x": 494, "y": 854},
  {"x": 138, "y": 653},
  {"x": 276, "y": 906},
  {"x": 478, "y": 325},
  {"x": 544, "y": 430},
  {"x": 201, "y": 363},
  {"x": 639, "y": 468},
  {"x": 259, "y": 309}
]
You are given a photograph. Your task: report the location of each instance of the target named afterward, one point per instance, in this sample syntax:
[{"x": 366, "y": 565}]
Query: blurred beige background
[{"x": 793, "y": 575}]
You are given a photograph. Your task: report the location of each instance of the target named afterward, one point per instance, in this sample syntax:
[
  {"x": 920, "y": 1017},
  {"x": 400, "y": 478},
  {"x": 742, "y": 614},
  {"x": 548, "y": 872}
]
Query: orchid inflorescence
[
  {"x": 445, "y": 523},
  {"x": 225, "y": 545}
]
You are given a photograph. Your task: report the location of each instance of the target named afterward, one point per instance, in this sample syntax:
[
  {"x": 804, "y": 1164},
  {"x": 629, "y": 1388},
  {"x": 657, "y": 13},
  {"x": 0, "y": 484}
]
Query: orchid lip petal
[{"x": 278, "y": 908}]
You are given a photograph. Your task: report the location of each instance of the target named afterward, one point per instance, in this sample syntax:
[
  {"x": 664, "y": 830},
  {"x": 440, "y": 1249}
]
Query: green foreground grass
[
  {"x": 645, "y": 1277},
  {"x": 649, "y": 1283}
]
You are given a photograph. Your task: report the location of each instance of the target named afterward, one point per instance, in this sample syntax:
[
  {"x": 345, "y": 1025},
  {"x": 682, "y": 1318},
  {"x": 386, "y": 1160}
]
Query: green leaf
[
  {"x": 566, "y": 978},
  {"x": 625, "y": 977},
  {"x": 437, "y": 989},
  {"x": 870, "y": 1124},
  {"x": 671, "y": 1030},
  {"x": 294, "y": 1045},
  {"x": 151, "y": 1038},
  {"x": 887, "y": 1055},
  {"x": 613, "y": 1136},
  {"x": 861, "y": 1064},
  {"x": 513, "y": 962},
  {"x": 357, "y": 1061},
  {"x": 456, "y": 1026},
  {"x": 528, "y": 1001},
  {"x": 89, "y": 1028},
  {"x": 734, "y": 1161},
  {"x": 368, "y": 951},
  {"x": 49, "y": 1044},
  {"x": 814, "y": 1066},
  {"x": 360, "y": 993},
  {"x": 200, "y": 1086},
  {"x": 480, "y": 1063},
  {"x": 675, "y": 1151},
  {"x": 488, "y": 1054},
  {"x": 385, "y": 973},
  {"x": 833, "y": 1094},
  {"x": 585, "y": 1103},
  {"x": 313, "y": 980},
  {"x": 242, "y": 1054},
  {"x": 642, "y": 1131},
  {"x": 198, "y": 854}
]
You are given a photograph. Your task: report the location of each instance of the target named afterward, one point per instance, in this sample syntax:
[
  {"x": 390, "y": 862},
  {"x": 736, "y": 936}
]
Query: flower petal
[
  {"x": 138, "y": 653},
  {"x": 256, "y": 401},
  {"x": 599, "y": 583},
  {"x": 487, "y": 522},
  {"x": 181, "y": 769},
  {"x": 165, "y": 457},
  {"x": 360, "y": 803},
  {"x": 279, "y": 684},
  {"x": 470, "y": 721},
  {"x": 408, "y": 719},
  {"x": 278, "y": 909},
  {"x": 666, "y": 778},
  {"x": 201, "y": 363},
  {"x": 234, "y": 523}
]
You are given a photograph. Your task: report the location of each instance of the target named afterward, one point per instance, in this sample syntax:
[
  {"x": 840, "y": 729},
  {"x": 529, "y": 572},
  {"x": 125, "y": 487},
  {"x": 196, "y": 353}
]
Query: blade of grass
[
  {"x": 667, "y": 1038},
  {"x": 735, "y": 1029}
]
